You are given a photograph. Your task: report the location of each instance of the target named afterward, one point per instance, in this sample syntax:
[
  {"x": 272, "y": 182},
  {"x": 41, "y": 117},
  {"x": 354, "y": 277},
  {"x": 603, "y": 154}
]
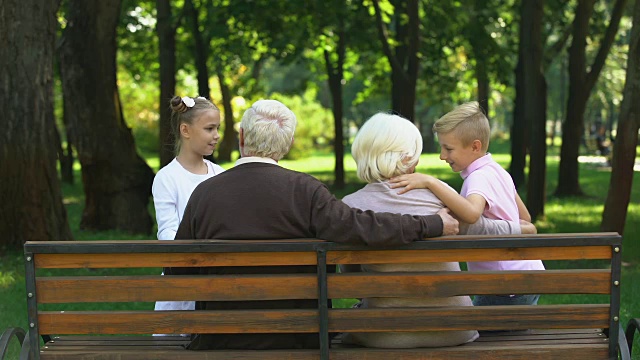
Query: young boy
[{"x": 487, "y": 190}]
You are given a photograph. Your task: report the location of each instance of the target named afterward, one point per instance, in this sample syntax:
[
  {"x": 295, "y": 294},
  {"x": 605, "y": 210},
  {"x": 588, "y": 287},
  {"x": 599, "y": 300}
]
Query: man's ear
[
  {"x": 241, "y": 137},
  {"x": 291, "y": 145}
]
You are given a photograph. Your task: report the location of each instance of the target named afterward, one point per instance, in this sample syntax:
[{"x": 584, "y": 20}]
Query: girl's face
[{"x": 202, "y": 135}]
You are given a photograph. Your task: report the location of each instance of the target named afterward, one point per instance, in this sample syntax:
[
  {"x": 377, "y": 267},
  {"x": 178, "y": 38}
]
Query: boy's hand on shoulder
[{"x": 411, "y": 181}]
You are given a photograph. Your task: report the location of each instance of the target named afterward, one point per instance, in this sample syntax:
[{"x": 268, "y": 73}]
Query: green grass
[{"x": 561, "y": 215}]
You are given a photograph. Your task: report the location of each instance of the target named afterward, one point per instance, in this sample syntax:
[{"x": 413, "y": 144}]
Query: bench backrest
[{"x": 50, "y": 292}]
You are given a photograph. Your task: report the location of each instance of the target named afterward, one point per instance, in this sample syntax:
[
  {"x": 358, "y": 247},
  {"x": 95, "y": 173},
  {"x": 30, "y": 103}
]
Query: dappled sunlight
[
  {"x": 69, "y": 200},
  {"x": 7, "y": 279}
]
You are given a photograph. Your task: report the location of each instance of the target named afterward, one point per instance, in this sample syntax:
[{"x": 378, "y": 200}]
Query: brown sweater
[{"x": 265, "y": 201}]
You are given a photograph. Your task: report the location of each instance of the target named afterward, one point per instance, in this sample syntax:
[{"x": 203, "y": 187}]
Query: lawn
[{"x": 561, "y": 215}]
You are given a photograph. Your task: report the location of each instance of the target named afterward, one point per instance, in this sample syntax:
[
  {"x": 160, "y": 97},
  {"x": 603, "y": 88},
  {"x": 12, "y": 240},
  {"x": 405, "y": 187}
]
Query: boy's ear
[{"x": 476, "y": 145}]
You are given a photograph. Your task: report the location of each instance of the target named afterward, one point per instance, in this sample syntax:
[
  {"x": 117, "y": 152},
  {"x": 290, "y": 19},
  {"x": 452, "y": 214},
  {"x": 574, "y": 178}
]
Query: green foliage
[
  {"x": 140, "y": 110},
  {"x": 315, "y": 124}
]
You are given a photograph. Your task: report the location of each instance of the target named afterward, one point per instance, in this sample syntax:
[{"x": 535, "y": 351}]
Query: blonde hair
[
  {"x": 386, "y": 146},
  {"x": 268, "y": 127},
  {"x": 181, "y": 113},
  {"x": 467, "y": 122}
]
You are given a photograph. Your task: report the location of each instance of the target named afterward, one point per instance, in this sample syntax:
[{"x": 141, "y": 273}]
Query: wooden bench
[{"x": 578, "y": 329}]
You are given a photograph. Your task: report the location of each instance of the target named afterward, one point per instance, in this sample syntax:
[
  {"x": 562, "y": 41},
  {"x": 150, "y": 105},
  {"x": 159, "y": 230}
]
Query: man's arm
[{"x": 334, "y": 220}]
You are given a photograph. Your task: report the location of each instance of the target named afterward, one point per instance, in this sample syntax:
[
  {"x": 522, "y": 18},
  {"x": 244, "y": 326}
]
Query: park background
[{"x": 85, "y": 90}]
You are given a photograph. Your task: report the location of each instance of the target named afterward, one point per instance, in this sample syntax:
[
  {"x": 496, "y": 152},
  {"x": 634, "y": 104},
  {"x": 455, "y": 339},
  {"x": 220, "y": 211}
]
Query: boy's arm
[
  {"x": 527, "y": 227},
  {"x": 523, "y": 213},
  {"x": 467, "y": 209}
]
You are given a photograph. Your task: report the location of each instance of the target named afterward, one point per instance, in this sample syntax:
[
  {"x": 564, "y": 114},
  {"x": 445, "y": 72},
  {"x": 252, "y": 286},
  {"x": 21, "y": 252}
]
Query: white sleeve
[
  {"x": 166, "y": 205},
  {"x": 485, "y": 226}
]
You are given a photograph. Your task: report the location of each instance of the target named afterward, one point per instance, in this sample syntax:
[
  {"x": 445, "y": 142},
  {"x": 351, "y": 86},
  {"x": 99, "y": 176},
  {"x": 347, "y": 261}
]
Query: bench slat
[
  {"x": 161, "y": 288},
  {"x": 513, "y": 317},
  {"x": 141, "y": 260},
  {"x": 129, "y": 260},
  {"x": 461, "y": 255},
  {"x": 483, "y": 352},
  {"x": 178, "y": 322},
  {"x": 304, "y": 286},
  {"x": 340, "y": 320},
  {"x": 442, "y": 284},
  {"x": 126, "y": 353}
]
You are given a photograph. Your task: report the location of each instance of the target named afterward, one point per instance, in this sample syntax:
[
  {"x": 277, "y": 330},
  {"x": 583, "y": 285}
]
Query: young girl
[{"x": 194, "y": 123}]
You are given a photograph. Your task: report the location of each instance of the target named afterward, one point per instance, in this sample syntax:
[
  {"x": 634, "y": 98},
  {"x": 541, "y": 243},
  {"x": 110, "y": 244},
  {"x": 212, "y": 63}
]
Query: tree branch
[
  {"x": 414, "y": 40},
  {"x": 552, "y": 51},
  {"x": 384, "y": 39}
]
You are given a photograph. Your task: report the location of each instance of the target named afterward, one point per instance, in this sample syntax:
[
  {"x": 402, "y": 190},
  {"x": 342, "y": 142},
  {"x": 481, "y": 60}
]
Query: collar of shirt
[
  {"x": 477, "y": 164},
  {"x": 255, "y": 159}
]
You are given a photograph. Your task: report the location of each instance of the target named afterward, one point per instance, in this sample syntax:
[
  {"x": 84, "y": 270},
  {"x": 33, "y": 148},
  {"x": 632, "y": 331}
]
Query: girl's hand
[{"x": 411, "y": 181}]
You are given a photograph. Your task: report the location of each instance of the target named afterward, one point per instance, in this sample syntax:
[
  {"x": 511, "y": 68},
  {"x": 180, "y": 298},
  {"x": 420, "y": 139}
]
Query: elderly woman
[{"x": 387, "y": 146}]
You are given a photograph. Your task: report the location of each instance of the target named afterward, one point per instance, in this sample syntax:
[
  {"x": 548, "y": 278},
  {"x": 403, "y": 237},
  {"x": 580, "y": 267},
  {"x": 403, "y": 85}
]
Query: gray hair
[
  {"x": 386, "y": 146},
  {"x": 268, "y": 127}
]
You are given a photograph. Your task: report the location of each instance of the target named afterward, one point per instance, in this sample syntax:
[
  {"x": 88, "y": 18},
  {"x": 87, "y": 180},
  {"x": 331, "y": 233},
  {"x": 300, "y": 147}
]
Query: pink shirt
[{"x": 488, "y": 179}]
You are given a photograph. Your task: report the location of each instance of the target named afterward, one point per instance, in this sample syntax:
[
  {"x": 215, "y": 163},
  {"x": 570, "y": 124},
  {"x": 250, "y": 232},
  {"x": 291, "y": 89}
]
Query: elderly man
[{"x": 258, "y": 199}]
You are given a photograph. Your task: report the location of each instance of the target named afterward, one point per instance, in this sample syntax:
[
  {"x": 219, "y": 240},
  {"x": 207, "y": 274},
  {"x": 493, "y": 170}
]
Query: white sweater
[{"x": 171, "y": 190}]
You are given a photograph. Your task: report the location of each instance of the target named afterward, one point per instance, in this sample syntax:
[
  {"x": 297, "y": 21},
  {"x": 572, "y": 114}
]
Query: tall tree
[
  {"x": 335, "y": 72},
  {"x": 482, "y": 48},
  {"x": 201, "y": 48},
  {"x": 533, "y": 100},
  {"x": 401, "y": 48},
  {"x": 30, "y": 197},
  {"x": 166, "y": 30},
  {"x": 117, "y": 181},
  {"x": 520, "y": 129},
  {"x": 624, "y": 150},
  {"x": 582, "y": 79}
]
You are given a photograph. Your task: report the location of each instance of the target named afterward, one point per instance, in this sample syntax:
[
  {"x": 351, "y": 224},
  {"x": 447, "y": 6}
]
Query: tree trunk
[
  {"x": 581, "y": 83},
  {"x": 519, "y": 127},
  {"x": 404, "y": 60},
  {"x": 535, "y": 104},
  {"x": 335, "y": 74},
  {"x": 117, "y": 181},
  {"x": 201, "y": 50},
  {"x": 478, "y": 37},
  {"x": 624, "y": 150},
  {"x": 230, "y": 137},
  {"x": 166, "y": 31},
  {"x": 482, "y": 80},
  {"x": 65, "y": 156},
  {"x": 30, "y": 197}
]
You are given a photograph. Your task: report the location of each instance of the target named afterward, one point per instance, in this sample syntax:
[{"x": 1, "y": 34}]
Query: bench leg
[
  {"x": 6, "y": 337},
  {"x": 632, "y": 326}
]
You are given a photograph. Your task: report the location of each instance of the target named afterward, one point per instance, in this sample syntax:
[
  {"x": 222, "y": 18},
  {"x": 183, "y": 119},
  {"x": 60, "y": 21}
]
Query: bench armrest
[
  {"x": 6, "y": 337},
  {"x": 632, "y": 326}
]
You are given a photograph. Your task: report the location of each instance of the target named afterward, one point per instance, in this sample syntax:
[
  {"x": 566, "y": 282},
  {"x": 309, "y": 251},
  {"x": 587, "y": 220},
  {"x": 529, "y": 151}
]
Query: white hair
[
  {"x": 268, "y": 127},
  {"x": 386, "y": 146}
]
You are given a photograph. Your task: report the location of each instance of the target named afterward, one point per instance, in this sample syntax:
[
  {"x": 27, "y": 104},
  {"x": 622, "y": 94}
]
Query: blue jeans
[{"x": 486, "y": 300}]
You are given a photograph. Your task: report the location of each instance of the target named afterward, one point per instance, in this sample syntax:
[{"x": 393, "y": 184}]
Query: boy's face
[{"x": 455, "y": 153}]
